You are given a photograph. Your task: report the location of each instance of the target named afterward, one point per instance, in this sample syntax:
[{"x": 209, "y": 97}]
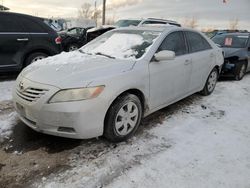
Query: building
[{"x": 3, "y": 8}]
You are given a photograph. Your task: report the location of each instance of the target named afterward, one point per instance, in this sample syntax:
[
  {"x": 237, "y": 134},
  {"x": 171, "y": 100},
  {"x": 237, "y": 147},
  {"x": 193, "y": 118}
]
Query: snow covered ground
[
  {"x": 9, "y": 119},
  {"x": 203, "y": 145},
  {"x": 6, "y": 89}
]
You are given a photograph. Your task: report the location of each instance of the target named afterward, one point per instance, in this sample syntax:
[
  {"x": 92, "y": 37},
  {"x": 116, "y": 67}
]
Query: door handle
[
  {"x": 187, "y": 62},
  {"x": 22, "y": 40}
]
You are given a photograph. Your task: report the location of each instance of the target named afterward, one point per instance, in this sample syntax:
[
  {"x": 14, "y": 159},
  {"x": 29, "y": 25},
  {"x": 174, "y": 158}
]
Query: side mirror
[
  {"x": 164, "y": 55},
  {"x": 249, "y": 48}
]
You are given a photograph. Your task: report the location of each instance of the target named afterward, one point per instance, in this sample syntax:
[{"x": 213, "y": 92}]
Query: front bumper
[{"x": 80, "y": 119}]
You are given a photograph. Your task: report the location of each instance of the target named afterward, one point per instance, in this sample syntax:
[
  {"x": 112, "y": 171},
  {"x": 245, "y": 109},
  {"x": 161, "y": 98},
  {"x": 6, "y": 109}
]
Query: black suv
[
  {"x": 25, "y": 39},
  {"x": 236, "y": 47}
]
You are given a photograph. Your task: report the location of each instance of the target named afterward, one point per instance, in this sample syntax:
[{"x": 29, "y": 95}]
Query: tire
[
  {"x": 119, "y": 124},
  {"x": 210, "y": 83},
  {"x": 72, "y": 47},
  {"x": 240, "y": 71},
  {"x": 35, "y": 57}
]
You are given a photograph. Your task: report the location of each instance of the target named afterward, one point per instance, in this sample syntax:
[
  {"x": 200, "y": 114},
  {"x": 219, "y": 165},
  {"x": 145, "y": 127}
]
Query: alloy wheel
[{"x": 37, "y": 58}]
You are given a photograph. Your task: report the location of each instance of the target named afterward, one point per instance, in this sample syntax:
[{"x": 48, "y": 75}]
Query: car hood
[
  {"x": 229, "y": 52},
  {"x": 74, "y": 69}
]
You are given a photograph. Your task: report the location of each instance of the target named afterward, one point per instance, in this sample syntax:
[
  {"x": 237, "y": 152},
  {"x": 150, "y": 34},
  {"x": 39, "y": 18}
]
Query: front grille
[{"x": 31, "y": 94}]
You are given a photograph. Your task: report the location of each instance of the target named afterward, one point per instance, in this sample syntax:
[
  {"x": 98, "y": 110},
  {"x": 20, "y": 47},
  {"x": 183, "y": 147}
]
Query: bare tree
[
  {"x": 192, "y": 23},
  {"x": 234, "y": 24},
  {"x": 111, "y": 19},
  {"x": 85, "y": 11}
]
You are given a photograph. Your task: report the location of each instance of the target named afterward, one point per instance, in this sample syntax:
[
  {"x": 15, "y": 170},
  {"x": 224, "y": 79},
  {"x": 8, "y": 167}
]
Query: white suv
[{"x": 147, "y": 21}]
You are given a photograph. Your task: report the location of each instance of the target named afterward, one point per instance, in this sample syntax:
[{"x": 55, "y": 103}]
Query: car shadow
[{"x": 24, "y": 139}]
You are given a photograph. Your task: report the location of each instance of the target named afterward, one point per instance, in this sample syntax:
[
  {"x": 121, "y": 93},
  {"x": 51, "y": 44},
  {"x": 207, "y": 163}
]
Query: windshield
[
  {"x": 231, "y": 41},
  {"x": 126, "y": 23},
  {"x": 126, "y": 44}
]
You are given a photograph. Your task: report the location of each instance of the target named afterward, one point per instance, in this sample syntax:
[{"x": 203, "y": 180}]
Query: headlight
[{"x": 78, "y": 94}]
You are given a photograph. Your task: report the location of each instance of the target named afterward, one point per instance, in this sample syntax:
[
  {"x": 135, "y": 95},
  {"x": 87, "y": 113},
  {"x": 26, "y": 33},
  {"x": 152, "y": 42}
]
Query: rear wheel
[
  {"x": 211, "y": 82},
  {"x": 123, "y": 118},
  {"x": 35, "y": 57},
  {"x": 240, "y": 71},
  {"x": 72, "y": 47}
]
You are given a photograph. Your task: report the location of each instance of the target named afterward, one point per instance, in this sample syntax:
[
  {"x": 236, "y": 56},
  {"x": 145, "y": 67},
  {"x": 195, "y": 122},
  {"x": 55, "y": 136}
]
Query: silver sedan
[{"x": 110, "y": 84}]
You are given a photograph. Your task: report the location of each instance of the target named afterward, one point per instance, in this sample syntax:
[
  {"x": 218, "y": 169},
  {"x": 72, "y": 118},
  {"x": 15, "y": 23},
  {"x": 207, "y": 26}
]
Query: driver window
[{"x": 174, "y": 42}]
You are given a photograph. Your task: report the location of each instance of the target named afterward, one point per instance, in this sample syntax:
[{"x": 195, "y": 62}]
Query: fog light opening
[{"x": 66, "y": 130}]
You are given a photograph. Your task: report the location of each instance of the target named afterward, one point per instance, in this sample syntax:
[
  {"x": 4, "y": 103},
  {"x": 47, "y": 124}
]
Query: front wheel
[
  {"x": 123, "y": 118},
  {"x": 211, "y": 82},
  {"x": 240, "y": 71}
]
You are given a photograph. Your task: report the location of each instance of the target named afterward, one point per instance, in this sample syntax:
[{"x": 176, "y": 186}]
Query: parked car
[
  {"x": 212, "y": 34},
  {"x": 97, "y": 31},
  {"x": 147, "y": 21},
  {"x": 107, "y": 86},
  {"x": 25, "y": 39},
  {"x": 236, "y": 47},
  {"x": 73, "y": 38}
]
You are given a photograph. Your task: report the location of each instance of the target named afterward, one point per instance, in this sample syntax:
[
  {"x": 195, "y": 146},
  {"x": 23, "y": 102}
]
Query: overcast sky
[{"x": 209, "y": 13}]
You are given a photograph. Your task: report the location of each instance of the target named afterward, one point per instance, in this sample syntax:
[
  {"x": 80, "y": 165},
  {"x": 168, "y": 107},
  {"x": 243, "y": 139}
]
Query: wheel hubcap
[
  {"x": 126, "y": 119},
  {"x": 72, "y": 48},
  {"x": 212, "y": 81},
  {"x": 37, "y": 58}
]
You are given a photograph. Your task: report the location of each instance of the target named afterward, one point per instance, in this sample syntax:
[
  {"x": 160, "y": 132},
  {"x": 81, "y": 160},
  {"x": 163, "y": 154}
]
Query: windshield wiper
[{"x": 99, "y": 53}]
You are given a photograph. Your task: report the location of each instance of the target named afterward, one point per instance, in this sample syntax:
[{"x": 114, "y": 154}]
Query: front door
[{"x": 169, "y": 80}]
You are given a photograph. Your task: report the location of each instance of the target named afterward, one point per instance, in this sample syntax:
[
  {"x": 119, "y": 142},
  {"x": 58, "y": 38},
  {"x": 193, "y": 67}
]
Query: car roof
[
  {"x": 19, "y": 14},
  {"x": 151, "y": 19}
]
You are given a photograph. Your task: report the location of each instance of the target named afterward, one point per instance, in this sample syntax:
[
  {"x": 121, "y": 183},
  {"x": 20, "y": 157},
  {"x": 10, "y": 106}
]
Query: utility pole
[
  {"x": 103, "y": 12},
  {"x": 95, "y": 14}
]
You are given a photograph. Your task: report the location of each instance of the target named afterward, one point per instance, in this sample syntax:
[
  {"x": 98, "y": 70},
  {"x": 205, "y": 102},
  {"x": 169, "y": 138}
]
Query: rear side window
[
  {"x": 197, "y": 42},
  {"x": 32, "y": 25},
  {"x": 9, "y": 24},
  {"x": 174, "y": 42}
]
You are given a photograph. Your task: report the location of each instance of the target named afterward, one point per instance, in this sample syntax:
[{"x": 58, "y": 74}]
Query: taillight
[{"x": 58, "y": 40}]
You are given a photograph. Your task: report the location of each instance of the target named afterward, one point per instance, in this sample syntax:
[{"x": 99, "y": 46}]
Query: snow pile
[
  {"x": 205, "y": 144},
  {"x": 7, "y": 122},
  {"x": 120, "y": 45},
  {"x": 64, "y": 58},
  {"x": 6, "y": 90}
]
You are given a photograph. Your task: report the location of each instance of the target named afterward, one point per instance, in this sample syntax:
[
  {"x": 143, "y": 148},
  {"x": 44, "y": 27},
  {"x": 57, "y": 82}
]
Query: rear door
[
  {"x": 13, "y": 40},
  {"x": 202, "y": 56}
]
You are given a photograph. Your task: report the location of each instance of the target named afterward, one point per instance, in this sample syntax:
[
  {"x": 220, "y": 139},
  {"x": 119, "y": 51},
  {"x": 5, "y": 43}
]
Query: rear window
[
  {"x": 231, "y": 41},
  {"x": 32, "y": 25},
  {"x": 126, "y": 23}
]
